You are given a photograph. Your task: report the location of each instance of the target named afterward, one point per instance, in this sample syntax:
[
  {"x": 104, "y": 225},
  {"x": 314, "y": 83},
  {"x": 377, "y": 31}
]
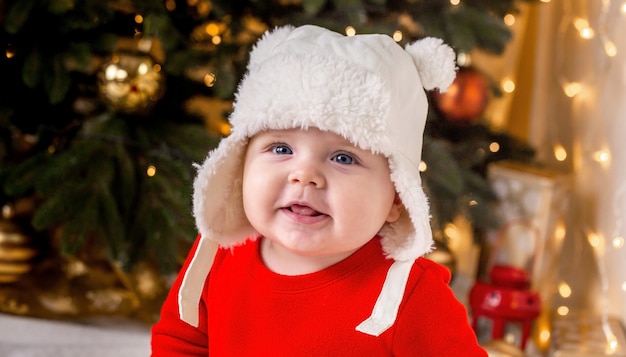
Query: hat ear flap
[
  {"x": 264, "y": 47},
  {"x": 435, "y": 62}
]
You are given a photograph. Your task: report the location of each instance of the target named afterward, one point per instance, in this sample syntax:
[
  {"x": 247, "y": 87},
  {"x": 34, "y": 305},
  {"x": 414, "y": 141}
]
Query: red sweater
[{"x": 247, "y": 310}]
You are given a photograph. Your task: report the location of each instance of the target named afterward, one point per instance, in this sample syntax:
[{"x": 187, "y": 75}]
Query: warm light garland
[
  {"x": 576, "y": 30},
  {"x": 599, "y": 154},
  {"x": 585, "y": 42}
]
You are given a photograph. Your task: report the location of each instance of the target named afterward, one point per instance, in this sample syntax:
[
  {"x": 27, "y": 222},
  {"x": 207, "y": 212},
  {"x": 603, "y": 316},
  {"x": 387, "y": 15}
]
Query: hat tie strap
[
  {"x": 386, "y": 308},
  {"x": 192, "y": 285}
]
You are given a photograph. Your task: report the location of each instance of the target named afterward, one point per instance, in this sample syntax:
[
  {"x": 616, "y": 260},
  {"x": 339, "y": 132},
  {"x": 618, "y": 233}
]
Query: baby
[{"x": 311, "y": 214}]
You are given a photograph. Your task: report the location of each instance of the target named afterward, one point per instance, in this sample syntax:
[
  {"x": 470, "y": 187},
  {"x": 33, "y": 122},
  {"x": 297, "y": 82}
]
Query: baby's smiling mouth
[
  {"x": 303, "y": 210},
  {"x": 303, "y": 214}
]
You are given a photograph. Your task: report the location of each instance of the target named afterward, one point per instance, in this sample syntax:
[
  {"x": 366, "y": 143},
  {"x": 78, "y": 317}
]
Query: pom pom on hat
[{"x": 434, "y": 61}]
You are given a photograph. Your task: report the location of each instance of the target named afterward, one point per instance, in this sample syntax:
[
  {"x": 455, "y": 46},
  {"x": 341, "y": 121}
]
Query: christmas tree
[{"x": 106, "y": 105}]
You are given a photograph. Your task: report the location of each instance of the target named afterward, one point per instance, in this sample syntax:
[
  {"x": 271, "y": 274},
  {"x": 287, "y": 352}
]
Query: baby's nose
[{"x": 307, "y": 174}]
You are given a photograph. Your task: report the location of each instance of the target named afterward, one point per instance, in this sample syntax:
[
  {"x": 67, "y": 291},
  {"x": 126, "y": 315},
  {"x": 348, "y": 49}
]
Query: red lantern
[
  {"x": 507, "y": 298},
  {"x": 466, "y": 98}
]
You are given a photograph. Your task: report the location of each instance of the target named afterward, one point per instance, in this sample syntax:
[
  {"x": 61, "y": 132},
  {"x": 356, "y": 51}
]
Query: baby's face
[{"x": 314, "y": 193}]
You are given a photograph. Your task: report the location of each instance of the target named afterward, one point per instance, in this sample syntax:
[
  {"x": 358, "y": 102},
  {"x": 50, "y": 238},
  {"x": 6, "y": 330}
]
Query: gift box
[{"x": 531, "y": 209}]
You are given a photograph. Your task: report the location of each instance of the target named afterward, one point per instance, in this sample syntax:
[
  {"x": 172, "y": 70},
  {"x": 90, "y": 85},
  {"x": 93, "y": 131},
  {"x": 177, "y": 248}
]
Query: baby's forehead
[{"x": 297, "y": 132}]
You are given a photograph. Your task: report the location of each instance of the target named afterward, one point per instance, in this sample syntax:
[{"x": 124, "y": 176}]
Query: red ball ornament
[{"x": 466, "y": 98}]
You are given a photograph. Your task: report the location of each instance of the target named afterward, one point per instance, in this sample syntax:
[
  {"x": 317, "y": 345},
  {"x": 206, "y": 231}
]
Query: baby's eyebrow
[{"x": 274, "y": 134}]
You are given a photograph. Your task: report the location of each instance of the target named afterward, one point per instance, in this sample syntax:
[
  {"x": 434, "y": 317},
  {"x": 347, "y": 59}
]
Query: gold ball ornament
[
  {"x": 131, "y": 82},
  {"x": 16, "y": 251}
]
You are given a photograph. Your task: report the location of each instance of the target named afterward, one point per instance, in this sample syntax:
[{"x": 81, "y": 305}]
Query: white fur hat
[{"x": 366, "y": 88}]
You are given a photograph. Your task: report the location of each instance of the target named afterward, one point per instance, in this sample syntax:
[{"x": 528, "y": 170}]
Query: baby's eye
[
  {"x": 344, "y": 159},
  {"x": 280, "y": 149}
]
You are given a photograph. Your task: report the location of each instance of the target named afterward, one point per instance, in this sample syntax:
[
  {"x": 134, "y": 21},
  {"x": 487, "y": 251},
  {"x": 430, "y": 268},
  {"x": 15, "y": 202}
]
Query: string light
[
  {"x": 151, "y": 171},
  {"x": 610, "y": 49},
  {"x": 350, "y": 31},
  {"x": 559, "y": 231},
  {"x": 585, "y": 31},
  {"x": 463, "y": 59},
  {"x": 509, "y": 19},
  {"x": 397, "y": 36},
  {"x": 508, "y": 85},
  {"x": 595, "y": 241},
  {"x": 559, "y": 152},
  {"x": 565, "y": 290},
  {"x": 212, "y": 29},
  {"x": 601, "y": 156},
  {"x": 572, "y": 89},
  {"x": 451, "y": 231},
  {"x": 10, "y": 51},
  {"x": 202, "y": 8},
  {"x": 170, "y": 5},
  {"x": 544, "y": 336},
  {"x": 209, "y": 79}
]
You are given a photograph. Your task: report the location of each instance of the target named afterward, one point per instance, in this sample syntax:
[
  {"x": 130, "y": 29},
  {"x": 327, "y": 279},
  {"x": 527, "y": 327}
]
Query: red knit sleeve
[
  {"x": 432, "y": 322},
  {"x": 172, "y": 337}
]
